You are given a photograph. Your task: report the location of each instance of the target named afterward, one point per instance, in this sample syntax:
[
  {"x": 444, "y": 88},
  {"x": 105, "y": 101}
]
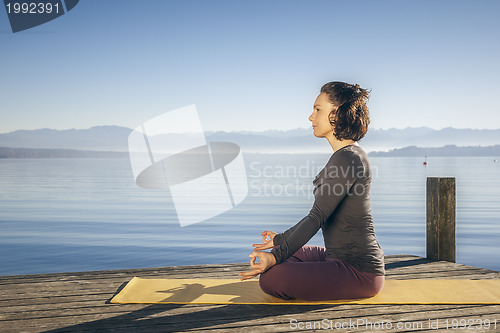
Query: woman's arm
[{"x": 279, "y": 238}]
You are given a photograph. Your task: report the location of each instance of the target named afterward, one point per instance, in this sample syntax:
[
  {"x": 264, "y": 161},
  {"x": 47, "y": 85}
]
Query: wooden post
[{"x": 441, "y": 218}]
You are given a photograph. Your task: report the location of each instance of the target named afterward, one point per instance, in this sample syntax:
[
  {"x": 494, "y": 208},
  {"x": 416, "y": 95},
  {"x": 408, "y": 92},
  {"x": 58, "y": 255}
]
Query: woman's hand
[
  {"x": 266, "y": 243},
  {"x": 267, "y": 260}
]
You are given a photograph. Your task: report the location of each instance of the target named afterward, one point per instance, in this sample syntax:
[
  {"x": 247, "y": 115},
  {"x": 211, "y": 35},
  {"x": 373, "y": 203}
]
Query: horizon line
[{"x": 256, "y": 131}]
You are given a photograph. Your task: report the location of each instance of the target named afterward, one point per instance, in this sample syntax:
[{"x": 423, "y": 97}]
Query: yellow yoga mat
[{"x": 234, "y": 291}]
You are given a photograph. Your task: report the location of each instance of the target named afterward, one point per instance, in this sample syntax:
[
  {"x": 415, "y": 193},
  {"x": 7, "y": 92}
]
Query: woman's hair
[{"x": 350, "y": 116}]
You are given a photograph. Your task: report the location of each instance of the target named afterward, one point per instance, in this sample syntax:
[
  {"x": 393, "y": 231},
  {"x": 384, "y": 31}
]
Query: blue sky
[{"x": 252, "y": 65}]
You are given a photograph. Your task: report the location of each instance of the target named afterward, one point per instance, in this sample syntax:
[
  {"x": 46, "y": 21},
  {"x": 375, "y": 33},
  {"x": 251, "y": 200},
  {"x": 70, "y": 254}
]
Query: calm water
[{"x": 61, "y": 215}]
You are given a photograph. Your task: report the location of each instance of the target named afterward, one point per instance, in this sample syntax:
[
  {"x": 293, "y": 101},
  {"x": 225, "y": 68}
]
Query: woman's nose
[{"x": 311, "y": 117}]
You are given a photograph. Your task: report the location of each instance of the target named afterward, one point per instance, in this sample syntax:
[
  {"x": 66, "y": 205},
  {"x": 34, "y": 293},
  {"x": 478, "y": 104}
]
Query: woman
[{"x": 351, "y": 265}]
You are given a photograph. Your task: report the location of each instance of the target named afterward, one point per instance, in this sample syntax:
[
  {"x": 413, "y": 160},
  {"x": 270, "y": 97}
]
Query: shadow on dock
[
  {"x": 160, "y": 317},
  {"x": 407, "y": 263}
]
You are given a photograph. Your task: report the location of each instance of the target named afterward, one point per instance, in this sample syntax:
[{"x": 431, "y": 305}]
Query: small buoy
[
  {"x": 425, "y": 163},
  {"x": 425, "y": 160}
]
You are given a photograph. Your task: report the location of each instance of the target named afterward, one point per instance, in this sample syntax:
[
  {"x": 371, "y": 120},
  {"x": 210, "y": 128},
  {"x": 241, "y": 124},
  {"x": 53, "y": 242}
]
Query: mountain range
[
  {"x": 301, "y": 140},
  {"x": 446, "y": 151}
]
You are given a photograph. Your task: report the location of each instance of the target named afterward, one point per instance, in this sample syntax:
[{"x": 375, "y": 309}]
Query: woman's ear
[{"x": 331, "y": 118}]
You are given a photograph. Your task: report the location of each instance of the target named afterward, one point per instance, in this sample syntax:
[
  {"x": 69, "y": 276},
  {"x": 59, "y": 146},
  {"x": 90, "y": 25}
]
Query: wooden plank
[{"x": 440, "y": 218}]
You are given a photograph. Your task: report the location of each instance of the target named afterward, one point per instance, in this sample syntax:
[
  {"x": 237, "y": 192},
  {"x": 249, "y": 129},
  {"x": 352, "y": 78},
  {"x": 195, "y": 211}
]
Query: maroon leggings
[{"x": 308, "y": 275}]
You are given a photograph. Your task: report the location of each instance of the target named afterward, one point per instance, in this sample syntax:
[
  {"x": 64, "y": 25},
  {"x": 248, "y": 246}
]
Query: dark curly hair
[{"x": 350, "y": 117}]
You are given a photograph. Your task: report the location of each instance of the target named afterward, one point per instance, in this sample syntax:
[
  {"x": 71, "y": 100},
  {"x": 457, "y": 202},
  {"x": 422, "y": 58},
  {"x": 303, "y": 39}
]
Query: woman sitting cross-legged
[{"x": 351, "y": 265}]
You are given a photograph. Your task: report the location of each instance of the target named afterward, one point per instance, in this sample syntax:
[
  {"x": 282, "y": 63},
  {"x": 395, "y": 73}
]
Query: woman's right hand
[{"x": 266, "y": 243}]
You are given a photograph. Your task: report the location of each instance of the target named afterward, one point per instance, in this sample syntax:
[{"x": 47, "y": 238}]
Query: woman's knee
[
  {"x": 267, "y": 283},
  {"x": 272, "y": 282},
  {"x": 264, "y": 282},
  {"x": 270, "y": 279}
]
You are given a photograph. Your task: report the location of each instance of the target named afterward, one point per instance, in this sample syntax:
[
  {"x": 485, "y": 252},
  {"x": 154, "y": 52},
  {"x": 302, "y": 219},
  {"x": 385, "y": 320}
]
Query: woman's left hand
[{"x": 267, "y": 260}]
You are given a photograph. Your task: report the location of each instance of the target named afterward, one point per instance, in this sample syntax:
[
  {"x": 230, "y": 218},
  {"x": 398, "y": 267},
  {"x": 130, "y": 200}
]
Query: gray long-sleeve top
[{"x": 343, "y": 212}]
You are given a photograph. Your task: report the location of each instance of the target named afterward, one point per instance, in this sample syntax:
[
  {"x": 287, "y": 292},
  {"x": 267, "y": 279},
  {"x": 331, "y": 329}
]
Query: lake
[{"x": 64, "y": 215}]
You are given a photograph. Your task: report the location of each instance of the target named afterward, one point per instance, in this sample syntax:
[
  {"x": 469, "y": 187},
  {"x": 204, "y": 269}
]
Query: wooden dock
[{"x": 79, "y": 302}]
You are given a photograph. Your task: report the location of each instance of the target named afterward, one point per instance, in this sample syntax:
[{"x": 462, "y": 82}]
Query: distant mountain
[
  {"x": 100, "y": 138},
  {"x": 6, "y": 152},
  {"x": 260, "y": 143},
  {"x": 449, "y": 150},
  {"x": 427, "y": 137},
  {"x": 296, "y": 132},
  {"x": 115, "y": 138}
]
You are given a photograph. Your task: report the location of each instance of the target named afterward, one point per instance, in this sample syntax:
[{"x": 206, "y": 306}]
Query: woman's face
[{"x": 320, "y": 117}]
